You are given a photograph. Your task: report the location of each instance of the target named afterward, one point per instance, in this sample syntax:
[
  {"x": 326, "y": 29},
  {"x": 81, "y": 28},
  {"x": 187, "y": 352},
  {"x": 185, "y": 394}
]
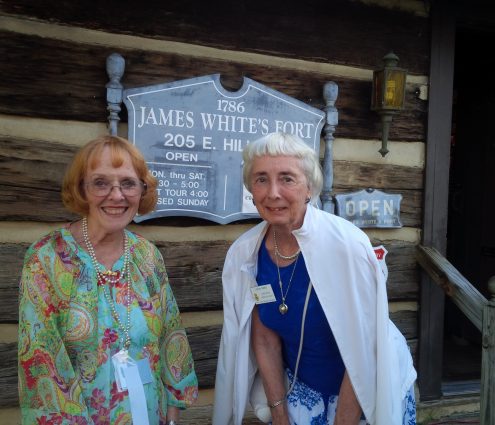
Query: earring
[
  {"x": 254, "y": 203},
  {"x": 307, "y": 200}
]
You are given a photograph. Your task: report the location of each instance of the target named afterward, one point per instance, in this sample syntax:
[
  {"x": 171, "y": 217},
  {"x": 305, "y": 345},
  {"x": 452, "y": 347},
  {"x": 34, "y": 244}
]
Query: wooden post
[
  {"x": 487, "y": 403},
  {"x": 115, "y": 71},
  {"x": 330, "y": 92}
]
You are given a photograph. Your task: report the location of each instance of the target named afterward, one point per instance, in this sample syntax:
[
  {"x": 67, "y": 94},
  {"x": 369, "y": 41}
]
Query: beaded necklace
[
  {"x": 279, "y": 254},
  {"x": 112, "y": 277}
]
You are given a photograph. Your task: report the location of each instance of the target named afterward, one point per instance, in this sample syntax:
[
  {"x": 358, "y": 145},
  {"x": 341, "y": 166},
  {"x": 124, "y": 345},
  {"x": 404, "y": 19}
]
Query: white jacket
[{"x": 351, "y": 289}]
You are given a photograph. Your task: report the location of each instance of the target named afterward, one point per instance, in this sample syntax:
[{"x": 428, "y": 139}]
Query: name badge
[
  {"x": 263, "y": 294},
  {"x": 131, "y": 375},
  {"x": 122, "y": 362}
]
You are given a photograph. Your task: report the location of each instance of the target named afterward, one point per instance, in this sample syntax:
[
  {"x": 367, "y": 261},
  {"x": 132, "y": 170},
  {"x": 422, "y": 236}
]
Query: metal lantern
[{"x": 388, "y": 92}]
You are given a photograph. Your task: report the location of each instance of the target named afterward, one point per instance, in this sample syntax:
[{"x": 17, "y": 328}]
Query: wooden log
[
  {"x": 11, "y": 259},
  {"x": 70, "y": 78},
  {"x": 8, "y": 374},
  {"x": 403, "y": 270},
  {"x": 28, "y": 194},
  {"x": 407, "y": 322},
  {"x": 453, "y": 283},
  {"x": 31, "y": 173},
  {"x": 341, "y": 32},
  {"x": 378, "y": 176},
  {"x": 195, "y": 273},
  {"x": 32, "y": 204},
  {"x": 33, "y": 163},
  {"x": 196, "y": 279},
  {"x": 411, "y": 207},
  {"x": 204, "y": 343}
]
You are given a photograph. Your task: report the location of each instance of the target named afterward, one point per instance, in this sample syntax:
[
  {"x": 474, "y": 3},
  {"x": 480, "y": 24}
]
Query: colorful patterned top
[{"x": 67, "y": 336}]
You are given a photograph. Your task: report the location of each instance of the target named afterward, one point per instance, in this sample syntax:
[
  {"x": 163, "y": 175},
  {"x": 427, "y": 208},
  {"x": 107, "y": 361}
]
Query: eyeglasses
[{"x": 129, "y": 187}]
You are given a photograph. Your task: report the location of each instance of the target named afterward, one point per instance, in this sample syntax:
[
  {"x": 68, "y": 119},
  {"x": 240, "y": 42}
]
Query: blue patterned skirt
[{"x": 307, "y": 406}]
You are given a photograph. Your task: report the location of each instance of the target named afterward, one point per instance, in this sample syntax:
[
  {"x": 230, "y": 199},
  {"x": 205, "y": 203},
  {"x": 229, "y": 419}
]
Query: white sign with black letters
[{"x": 192, "y": 133}]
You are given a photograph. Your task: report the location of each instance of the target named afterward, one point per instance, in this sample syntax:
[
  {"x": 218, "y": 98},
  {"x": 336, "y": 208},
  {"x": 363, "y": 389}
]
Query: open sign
[{"x": 370, "y": 208}]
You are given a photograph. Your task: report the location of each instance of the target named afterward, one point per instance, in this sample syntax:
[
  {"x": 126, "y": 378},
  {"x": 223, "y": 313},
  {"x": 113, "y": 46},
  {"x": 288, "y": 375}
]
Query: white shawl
[{"x": 351, "y": 288}]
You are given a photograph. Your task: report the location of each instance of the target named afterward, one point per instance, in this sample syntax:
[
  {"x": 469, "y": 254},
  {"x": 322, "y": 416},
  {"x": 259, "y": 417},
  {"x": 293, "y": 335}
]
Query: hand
[{"x": 172, "y": 415}]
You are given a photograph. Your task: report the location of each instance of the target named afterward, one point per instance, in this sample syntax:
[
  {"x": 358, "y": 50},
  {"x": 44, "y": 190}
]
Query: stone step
[{"x": 452, "y": 409}]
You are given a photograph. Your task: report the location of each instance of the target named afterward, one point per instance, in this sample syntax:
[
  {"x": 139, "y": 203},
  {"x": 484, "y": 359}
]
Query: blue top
[{"x": 321, "y": 366}]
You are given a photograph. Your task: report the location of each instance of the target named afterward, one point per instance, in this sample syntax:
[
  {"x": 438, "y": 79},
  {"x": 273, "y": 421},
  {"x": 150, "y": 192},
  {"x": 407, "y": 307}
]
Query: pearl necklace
[
  {"x": 284, "y": 308},
  {"x": 106, "y": 276},
  {"x": 279, "y": 254}
]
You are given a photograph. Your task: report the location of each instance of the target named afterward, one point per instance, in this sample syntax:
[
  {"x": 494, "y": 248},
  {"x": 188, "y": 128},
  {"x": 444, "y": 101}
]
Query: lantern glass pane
[
  {"x": 394, "y": 90},
  {"x": 377, "y": 98}
]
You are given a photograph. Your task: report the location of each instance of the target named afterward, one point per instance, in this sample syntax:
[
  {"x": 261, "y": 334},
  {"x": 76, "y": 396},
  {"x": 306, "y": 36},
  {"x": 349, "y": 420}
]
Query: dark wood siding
[{"x": 61, "y": 78}]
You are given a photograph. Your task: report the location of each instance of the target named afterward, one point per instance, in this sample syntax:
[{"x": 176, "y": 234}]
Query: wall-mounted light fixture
[{"x": 387, "y": 98}]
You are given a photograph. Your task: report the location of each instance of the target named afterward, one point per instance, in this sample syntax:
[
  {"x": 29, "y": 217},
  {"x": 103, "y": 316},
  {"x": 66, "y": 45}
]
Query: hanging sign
[
  {"x": 370, "y": 208},
  {"x": 192, "y": 133}
]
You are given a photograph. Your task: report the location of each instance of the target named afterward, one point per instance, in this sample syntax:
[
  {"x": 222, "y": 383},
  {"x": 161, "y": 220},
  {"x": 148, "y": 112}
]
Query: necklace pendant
[{"x": 283, "y": 308}]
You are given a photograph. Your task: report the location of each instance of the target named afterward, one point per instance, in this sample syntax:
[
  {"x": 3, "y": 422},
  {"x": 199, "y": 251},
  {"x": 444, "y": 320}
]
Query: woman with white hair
[{"x": 305, "y": 302}]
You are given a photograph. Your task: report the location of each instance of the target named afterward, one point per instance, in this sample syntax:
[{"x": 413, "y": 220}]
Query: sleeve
[
  {"x": 49, "y": 392},
  {"x": 224, "y": 382},
  {"x": 394, "y": 366},
  {"x": 177, "y": 372}
]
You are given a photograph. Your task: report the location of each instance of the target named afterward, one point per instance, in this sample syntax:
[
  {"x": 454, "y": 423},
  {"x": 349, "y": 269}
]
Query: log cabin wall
[{"x": 52, "y": 100}]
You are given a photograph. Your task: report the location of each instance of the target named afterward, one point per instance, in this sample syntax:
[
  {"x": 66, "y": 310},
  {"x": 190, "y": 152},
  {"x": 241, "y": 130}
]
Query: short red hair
[{"x": 87, "y": 158}]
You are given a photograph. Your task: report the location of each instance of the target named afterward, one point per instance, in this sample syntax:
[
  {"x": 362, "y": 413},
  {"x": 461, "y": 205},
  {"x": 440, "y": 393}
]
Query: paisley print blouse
[{"x": 67, "y": 336}]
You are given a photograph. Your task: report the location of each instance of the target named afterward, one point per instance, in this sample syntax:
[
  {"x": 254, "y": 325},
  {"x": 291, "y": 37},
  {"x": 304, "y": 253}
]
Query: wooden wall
[{"x": 52, "y": 100}]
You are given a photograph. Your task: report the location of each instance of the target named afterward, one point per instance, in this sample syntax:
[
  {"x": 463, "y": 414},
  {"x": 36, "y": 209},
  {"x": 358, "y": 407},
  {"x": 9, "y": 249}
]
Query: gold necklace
[
  {"x": 283, "y": 308},
  {"x": 279, "y": 254}
]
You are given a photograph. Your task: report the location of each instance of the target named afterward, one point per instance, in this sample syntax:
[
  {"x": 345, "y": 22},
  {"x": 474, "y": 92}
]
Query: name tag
[
  {"x": 122, "y": 363},
  {"x": 263, "y": 294},
  {"x": 131, "y": 375}
]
